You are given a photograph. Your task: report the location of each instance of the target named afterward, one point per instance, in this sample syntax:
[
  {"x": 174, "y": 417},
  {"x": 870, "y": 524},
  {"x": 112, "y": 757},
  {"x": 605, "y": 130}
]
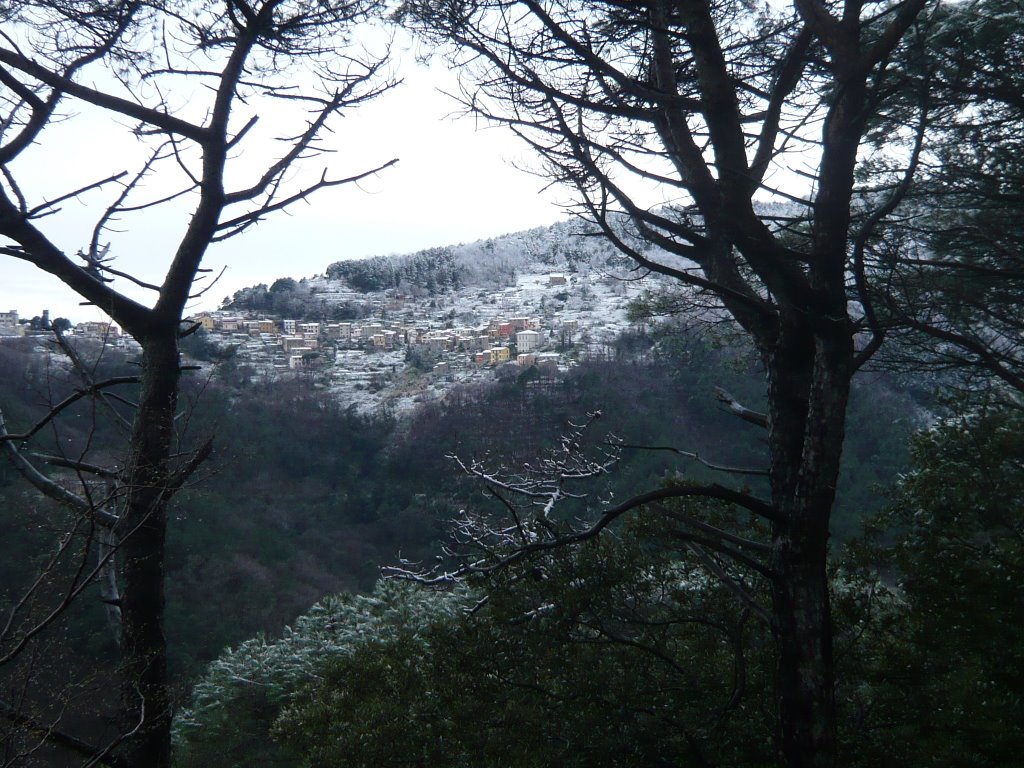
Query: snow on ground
[
  {"x": 579, "y": 307},
  {"x": 595, "y": 302}
]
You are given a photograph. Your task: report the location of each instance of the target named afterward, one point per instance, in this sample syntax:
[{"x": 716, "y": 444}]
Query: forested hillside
[
  {"x": 568, "y": 246},
  {"x": 315, "y": 499}
]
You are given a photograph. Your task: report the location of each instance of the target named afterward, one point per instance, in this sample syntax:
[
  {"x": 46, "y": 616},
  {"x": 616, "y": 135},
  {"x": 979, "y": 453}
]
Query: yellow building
[
  {"x": 499, "y": 355},
  {"x": 206, "y": 320}
]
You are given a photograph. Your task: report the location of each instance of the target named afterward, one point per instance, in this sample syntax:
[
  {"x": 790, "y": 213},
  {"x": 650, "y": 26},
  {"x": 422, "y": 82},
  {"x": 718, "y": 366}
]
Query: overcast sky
[{"x": 454, "y": 183}]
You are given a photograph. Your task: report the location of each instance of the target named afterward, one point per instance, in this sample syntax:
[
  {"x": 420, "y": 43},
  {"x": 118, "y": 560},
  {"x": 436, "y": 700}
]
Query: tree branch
[
  {"x": 71, "y": 399},
  {"x": 734, "y": 406},
  {"x": 96, "y": 755}
]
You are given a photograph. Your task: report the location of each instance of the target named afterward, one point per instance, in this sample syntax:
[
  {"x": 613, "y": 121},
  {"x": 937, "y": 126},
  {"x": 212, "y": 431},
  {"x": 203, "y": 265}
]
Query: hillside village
[
  {"x": 409, "y": 348},
  {"x": 395, "y": 331},
  {"x": 101, "y": 331}
]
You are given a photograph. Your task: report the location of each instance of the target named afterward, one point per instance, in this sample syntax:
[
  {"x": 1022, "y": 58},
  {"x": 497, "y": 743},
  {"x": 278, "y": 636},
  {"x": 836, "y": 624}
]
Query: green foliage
[
  {"x": 949, "y": 680},
  {"x": 298, "y": 486},
  {"x": 882, "y": 417},
  {"x": 228, "y": 721},
  {"x": 612, "y": 654},
  {"x": 621, "y": 652},
  {"x": 624, "y": 631},
  {"x": 313, "y": 497}
]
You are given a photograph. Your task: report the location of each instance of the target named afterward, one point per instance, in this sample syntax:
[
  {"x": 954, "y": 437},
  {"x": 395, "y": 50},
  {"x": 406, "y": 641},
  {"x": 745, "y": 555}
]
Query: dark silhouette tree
[
  {"x": 727, "y": 137},
  {"x": 229, "y": 65}
]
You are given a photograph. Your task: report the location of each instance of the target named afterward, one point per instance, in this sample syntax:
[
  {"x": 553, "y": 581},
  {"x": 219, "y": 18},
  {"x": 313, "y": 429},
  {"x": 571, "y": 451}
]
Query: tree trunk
[
  {"x": 144, "y": 694},
  {"x": 803, "y": 636},
  {"x": 809, "y": 373}
]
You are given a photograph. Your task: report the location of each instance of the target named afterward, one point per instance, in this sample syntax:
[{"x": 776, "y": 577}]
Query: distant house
[
  {"x": 556, "y": 280},
  {"x": 527, "y": 341},
  {"x": 262, "y": 325},
  {"x": 338, "y": 331},
  {"x": 344, "y": 331},
  {"x": 302, "y": 357},
  {"x": 437, "y": 342},
  {"x": 547, "y": 363},
  {"x": 499, "y": 355},
  {"x": 9, "y": 324},
  {"x": 98, "y": 329},
  {"x": 206, "y": 320},
  {"x": 290, "y": 343}
]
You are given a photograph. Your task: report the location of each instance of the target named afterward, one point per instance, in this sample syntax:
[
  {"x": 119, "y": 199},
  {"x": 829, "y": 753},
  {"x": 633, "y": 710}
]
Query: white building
[{"x": 527, "y": 341}]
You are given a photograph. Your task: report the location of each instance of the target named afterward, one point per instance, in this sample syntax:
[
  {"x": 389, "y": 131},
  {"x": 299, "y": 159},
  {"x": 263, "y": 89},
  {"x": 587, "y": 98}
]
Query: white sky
[{"x": 454, "y": 183}]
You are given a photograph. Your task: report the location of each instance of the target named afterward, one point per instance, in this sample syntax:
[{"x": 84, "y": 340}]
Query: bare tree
[
  {"x": 196, "y": 82},
  {"x": 728, "y": 135}
]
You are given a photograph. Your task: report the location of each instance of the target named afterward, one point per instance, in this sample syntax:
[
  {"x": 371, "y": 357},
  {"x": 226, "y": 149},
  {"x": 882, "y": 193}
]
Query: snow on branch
[{"x": 534, "y": 522}]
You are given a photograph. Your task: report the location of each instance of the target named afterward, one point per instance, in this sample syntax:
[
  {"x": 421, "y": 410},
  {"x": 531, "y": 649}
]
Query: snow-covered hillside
[{"x": 392, "y": 331}]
